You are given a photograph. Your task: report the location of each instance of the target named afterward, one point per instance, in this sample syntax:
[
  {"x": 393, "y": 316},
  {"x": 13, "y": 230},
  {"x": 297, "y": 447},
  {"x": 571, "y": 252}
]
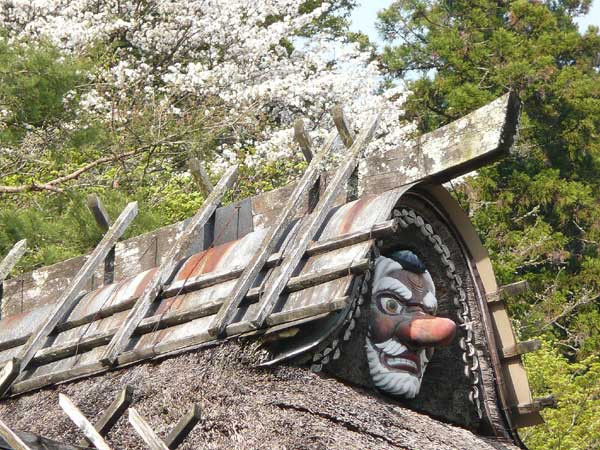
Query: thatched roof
[{"x": 243, "y": 408}]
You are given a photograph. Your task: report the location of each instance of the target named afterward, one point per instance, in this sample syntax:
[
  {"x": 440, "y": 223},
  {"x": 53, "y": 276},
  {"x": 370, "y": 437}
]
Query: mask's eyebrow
[{"x": 391, "y": 284}]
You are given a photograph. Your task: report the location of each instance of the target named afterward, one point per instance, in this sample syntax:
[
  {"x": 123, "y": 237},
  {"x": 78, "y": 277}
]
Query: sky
[{"x": 364, "y": 16}]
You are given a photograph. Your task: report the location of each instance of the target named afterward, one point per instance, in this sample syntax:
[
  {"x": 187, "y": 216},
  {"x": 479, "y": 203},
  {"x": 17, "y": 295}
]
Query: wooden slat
[
  {"x": 303, "y": 139},
  {"x": 82, "y": 423},
  {"x": 167, "y": 269},
  {"x": 12, "y": 258},
  {"x": 312, "y": 224},
  {"x": 520, "y": 349},
  {"x": 200, "y": 176},
  {"x": 112, "y": 414},
  {"x": 537, "y": 405},
  {"x": 145, "y": 431},
  {"x": 71, "y": 295},
  {"x": 12, "y": 438},
  {"x": 269, "y": 242},
  {"x": 183, "y": 428},
  {"x": 97, "y": 209},
  {"x": 508, "y": 290}
]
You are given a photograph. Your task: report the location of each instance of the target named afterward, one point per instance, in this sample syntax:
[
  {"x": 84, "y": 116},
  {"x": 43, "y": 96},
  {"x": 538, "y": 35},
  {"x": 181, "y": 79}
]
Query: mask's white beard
[{"x": 393, "y": 382}]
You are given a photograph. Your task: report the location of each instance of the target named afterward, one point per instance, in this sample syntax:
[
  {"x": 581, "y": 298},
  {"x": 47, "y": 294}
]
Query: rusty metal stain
[
  {"x": 206, "y": 261},
  {"x": 347, "y": 223}
]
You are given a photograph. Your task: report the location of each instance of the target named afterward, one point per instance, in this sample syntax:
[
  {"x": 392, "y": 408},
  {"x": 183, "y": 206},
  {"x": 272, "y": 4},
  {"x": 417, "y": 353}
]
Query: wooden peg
[
  {"x": 303, "y": 139},
  {"x": 200, "y": 176},
  {"x": 343, "y": 125},
  {"x": 97, "y": 208}
]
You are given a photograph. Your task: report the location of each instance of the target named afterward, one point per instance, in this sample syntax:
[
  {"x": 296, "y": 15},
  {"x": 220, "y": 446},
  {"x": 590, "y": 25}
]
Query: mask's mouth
[{"x": 406, "y": 361}]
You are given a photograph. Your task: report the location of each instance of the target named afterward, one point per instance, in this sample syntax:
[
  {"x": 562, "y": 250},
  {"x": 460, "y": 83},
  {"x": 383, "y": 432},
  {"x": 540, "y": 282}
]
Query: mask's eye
[{"x": 391, "y": 305}]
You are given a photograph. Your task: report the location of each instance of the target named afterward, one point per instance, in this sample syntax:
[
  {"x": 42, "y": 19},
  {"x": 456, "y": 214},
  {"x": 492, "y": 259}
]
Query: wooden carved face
[{"x": 403, "y": 329}]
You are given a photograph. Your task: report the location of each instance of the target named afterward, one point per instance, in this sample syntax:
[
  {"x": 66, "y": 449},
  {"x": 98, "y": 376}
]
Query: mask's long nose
[{"x": 426, "y": 331}]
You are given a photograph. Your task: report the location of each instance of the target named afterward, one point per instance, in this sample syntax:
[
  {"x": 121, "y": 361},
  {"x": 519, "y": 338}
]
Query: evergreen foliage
[{"x": 538, "y": 211}]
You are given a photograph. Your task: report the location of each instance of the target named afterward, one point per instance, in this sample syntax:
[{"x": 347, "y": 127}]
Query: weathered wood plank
[
  {"x": 12, "y": 258},
  {"x": 112, "y": 414},
  {"x": 275, "y": 286},
  {"x": 460, "y": 147},
  {"x": 71, "y": 295},
  {"x": 12, "y": 438},
  {"x": 97, "y": 209},
  {"x": 303, "y": 139},
  {"x": 200, "y": 176},
  {"x": 508, "y": 290},
  {"x": 520, "y": 349},
  {"x": 270, "y": 240},
  {"x": 82, "y": 423},
  {"x": 145, "y": 431},
  {"x": 168, "y": 267},
  {"x": 537, "y": 405},
  {"x": 183, "y": 428}
]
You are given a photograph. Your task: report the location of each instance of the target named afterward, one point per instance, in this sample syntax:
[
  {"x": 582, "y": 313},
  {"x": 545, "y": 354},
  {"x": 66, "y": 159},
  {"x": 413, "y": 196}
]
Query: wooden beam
[
  {"x": 112, "y": 414},
  {"x": 269, "y": 242},
  {"x": 303, "y": 139},
  {"x": 183, "y": 428},
  {"x": 200, "y": 176},
  {"x": 82, "y": 423},
  {"x": 313, "y": 222},
  {"x": 520, "y": 349},
  {"x": 167, "y": 269},
  {"x": 537, "y": 405},
  {"x": 12, "y": 438},
  {"x": 12, "y": 258},
  {"x": 508, "y": 290},
  {"x": 97, "y": 209},
  {"x": 343, "y": 126},
  {"x": 71, "y": 295},
  {"x": 145, "y": 431}
]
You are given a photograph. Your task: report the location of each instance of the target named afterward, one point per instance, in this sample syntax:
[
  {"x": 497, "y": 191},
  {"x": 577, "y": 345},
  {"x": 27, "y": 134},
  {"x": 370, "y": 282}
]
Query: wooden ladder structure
[{"x": 300, "y": 242}]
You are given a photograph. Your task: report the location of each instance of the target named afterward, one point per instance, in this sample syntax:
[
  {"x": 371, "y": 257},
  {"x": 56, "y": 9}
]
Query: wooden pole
[
  {"x": 167, "y": 269},
  {"x": 12, "y": 438},
  {"x": 312, "y": 224},
  {"x": 267, "y": 247},
  {"x": 145, "y": 431},
  {"x": 71, "y": 295},
  {"x": 13, "y": 257},
  {"x": 82, "y": 423}
]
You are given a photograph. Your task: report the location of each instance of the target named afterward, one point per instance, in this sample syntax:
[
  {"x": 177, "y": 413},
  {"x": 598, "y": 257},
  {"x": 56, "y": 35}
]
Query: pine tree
[{"x": 538, "y": 211}]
